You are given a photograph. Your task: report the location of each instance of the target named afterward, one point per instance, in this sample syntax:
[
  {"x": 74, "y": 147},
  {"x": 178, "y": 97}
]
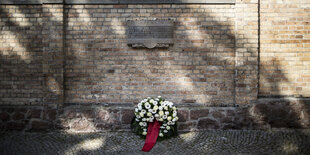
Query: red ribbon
[{"x": 151, "y": 137}]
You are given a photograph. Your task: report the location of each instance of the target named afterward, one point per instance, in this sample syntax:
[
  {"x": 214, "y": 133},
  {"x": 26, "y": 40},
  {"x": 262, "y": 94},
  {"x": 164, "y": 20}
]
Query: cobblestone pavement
[{"x": 204, "y": 142}]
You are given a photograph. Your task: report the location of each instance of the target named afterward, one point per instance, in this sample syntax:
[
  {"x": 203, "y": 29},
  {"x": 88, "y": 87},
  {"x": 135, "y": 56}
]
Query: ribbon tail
[
  {"x": 149, "y": 129},
  {"x": 151, "y": 137}
]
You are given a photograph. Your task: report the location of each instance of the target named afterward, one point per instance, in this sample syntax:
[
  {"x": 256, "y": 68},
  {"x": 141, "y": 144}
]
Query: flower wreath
[{"x": 151, "y": 109}]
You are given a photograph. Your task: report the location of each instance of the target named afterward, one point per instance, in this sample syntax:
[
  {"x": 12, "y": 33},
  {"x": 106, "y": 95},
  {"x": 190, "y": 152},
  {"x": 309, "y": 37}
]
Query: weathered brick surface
[
  {"x": 265, "y": 114},
  {"x": 246, "y": 34},
  {"x": 53, "y": 56},
  {"x": 21, "y": 77},
  {"x": 223, "y": 55},
  {"x": 283, "y": 113},
  {"x": 100, "y": 67},
  {"x": 285, "y": 46}
]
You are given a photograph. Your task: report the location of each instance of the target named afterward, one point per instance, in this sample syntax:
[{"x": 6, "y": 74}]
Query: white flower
[
  {"x": 149, "y": 114},
  {"x": 140, "y": 104},
  {"x": 138, "y": 116},
  {"x": 147, "y": 119},
  {"x": 143, "y": 119},
  {"x": 164, "y": 124},
  {"x": 150, "y": 110},
  {"x": 169, "y": 118},
  {"x": 141, "y": 114},
  {"x": 164, "y": 116},
  {"x": 174, "y": 108},
  {"x": 143, "y": 111},
  {"x": 141, "y": 124},
  {"x": 160, "y": 120},
  {"x": 137, "y": 120},
  {"x": 144, "y": 133},
  {"x": 140, "y": 107},
  {"x": 175, "y": 119},
  {"x": 168, "y": 127},
  {"x": 144, "y": 130},
  {"x": 151, "y": 120},
  {"x": 163, "y": 104},
  {"x": 161, "y": 135},
  {"x": 161, "y": 113},
  {"x": 165, "y": 131},
  {"x": 169, "y": 123},
  {"x": 155, "y": 107},
  {"x": 174, "y": 115},
  {"x": 151, "y": 100},
  {"x": 136, "y": 109},
  {"x": 162, "y": 127},
  {"x": 160, "y": 108},
  {"x": 167, "y": 112},
  {"x": 166, "y": 108},
  {"x": 152, "y": 117},
  {"x": 144, "y": 124},
  {"x": 147, "y": 105},
  {"x": 158, "y": 96},
  {"x": 156, "y": 115},
  {"x": 155, "y": 103},
  {"x": 174, "y": 111},
  {"x": 154, "y": 112}
]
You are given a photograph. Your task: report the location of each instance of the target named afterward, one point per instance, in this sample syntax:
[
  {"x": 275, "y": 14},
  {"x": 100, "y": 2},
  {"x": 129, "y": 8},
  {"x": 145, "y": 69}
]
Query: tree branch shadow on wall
[
  {"x": 152, "y": 58},
  {"x": 155, "y": 67},
  {"x": 25, "y": 56},
  {"x": 279, "y": 113}
]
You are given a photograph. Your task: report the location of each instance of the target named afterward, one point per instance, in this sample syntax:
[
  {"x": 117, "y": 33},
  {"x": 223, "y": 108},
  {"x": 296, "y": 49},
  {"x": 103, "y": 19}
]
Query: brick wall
[
  {"x": 57, "y": 60},
  {"x": 53, "y": 55},
  {"x": 21, "y": 76},
  {"x": 285, "y": 46},
  {"x": 199, "y": 68},
  {"x": 246, "y": 50}
]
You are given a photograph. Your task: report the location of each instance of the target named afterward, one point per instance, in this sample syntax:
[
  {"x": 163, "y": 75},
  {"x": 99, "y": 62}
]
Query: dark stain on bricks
[{"x": 111, "y": 71}]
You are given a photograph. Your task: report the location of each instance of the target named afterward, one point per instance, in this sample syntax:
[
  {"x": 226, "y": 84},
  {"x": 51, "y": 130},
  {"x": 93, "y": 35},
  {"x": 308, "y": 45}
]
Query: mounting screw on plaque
[{"x": 150, "y": 33}]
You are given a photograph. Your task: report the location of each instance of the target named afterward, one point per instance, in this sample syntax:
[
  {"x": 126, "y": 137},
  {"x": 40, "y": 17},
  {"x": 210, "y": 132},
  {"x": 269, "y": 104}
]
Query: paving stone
[
  {"x": 4, "y": 116},
  {"x": 204, "y": 142}
]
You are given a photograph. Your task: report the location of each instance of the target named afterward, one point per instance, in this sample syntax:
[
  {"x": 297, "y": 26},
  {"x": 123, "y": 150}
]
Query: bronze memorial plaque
[{"x": 150, "y": 33}]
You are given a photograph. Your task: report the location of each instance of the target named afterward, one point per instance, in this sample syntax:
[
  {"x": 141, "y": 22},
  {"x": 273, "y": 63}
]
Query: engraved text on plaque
[{"x": 150, "y": 33}]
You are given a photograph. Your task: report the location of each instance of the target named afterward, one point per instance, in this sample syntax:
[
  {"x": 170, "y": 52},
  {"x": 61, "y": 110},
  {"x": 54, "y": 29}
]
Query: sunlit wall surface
[{"x": 285, "y": 48}]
